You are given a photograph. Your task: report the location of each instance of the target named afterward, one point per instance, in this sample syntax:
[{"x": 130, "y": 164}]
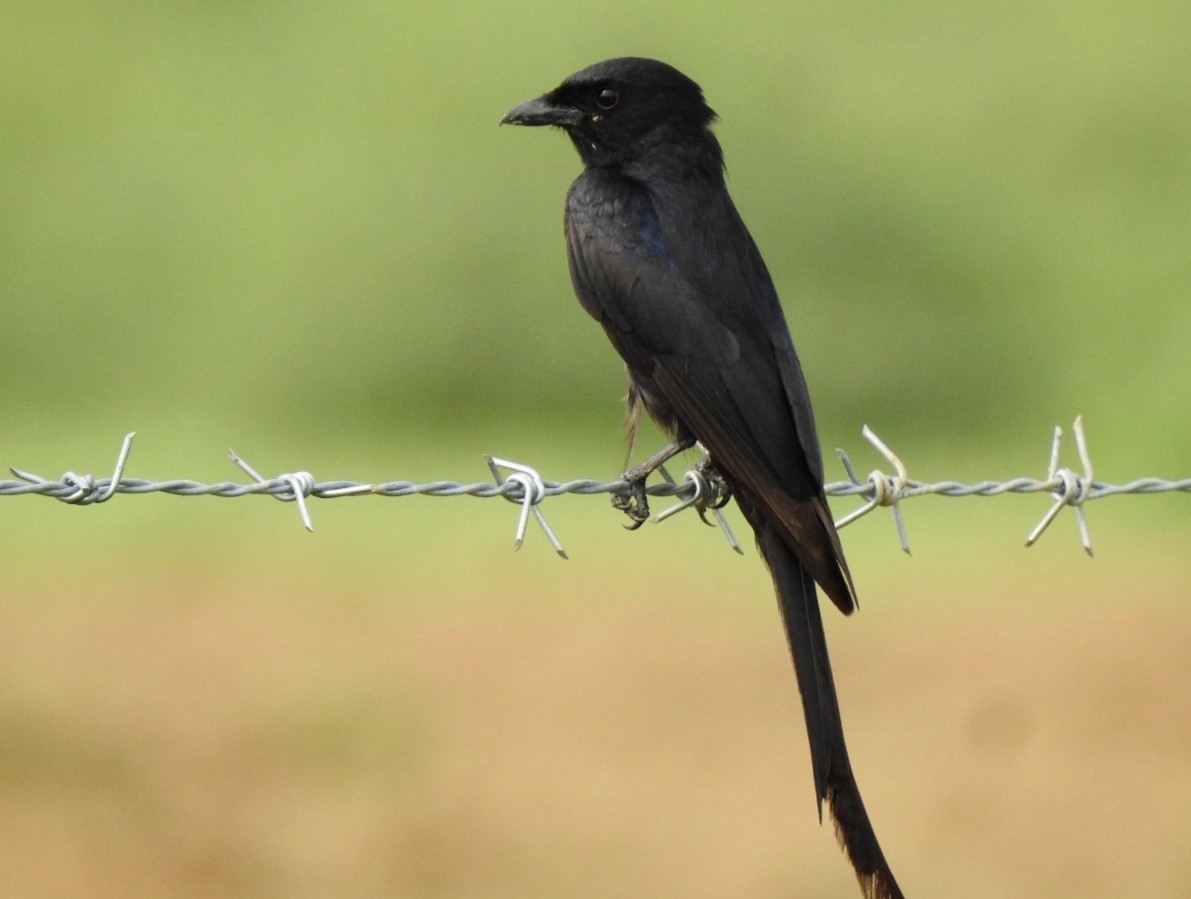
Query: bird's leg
[{"x": 636, "y": 504}]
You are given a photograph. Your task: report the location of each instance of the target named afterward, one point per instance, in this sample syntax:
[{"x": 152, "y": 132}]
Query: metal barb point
[
  {"x": 118, "y": 472},
  {"x": 1069, "y": 488},
  {"x": 885, "y": 490},
  {"x": 704, "y": 497},
  {"x": 533, "y": 491},
  {"x": 699, "y": 489},
  {"x": 300, "y": 483}
]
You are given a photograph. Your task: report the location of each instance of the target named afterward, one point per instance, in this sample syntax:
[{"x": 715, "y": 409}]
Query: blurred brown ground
[{"x": 196, "y": 740}]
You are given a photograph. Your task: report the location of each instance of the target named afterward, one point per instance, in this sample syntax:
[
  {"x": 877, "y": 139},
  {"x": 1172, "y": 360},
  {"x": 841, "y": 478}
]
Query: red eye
[{"x": 607, "y": 98}]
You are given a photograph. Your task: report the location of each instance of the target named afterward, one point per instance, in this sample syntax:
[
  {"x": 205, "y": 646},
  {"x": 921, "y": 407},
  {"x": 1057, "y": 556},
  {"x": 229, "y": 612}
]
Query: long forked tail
[{"x": 834, "y": 781}]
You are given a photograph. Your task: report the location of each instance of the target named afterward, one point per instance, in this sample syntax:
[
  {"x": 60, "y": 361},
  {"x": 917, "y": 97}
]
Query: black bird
[{"x": 660, "y": 257}]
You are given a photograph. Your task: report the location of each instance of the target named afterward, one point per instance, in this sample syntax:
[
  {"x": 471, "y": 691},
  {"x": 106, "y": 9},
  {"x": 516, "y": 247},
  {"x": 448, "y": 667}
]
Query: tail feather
[{"x": 834, "y": 782}]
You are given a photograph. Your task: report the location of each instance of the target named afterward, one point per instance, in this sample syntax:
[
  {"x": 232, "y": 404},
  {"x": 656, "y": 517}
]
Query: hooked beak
[{"x": 542, "y": 111}]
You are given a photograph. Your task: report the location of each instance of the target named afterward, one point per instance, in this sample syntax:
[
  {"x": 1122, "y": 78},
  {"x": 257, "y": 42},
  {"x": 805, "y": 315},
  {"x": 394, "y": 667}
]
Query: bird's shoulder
[
  {"x": 616, "y": 215},
  {"x": 661, "y": 267}
]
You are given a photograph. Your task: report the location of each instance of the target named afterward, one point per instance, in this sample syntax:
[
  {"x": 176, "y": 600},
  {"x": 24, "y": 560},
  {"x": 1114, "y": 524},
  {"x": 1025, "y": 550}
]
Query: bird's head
[{"x": 620, "y": 111}]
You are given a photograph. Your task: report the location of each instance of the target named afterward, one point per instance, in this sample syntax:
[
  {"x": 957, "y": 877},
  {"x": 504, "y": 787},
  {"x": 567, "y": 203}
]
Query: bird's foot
[
  {"x": 634, "y": 504},
  {"x": 718, "y": 489}
]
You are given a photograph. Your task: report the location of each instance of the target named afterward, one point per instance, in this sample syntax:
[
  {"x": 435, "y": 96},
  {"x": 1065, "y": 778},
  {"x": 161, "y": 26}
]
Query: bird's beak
[{"x": 542, "y": 111}]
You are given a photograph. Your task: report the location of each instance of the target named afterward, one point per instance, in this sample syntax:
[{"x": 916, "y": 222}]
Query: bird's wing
[{"x": 702, "y": 328}]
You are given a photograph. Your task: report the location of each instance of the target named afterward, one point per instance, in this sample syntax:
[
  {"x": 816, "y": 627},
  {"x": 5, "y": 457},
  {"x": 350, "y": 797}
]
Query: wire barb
[
  {"x": 533, "y": 491},
  {"x": 84, "y": 489},
  {"x": 706, "y": 495},
  {"x": 1068, "y": 487},
  {"x": 881, "y": 489},
  {"x": 299, "y": 484}
]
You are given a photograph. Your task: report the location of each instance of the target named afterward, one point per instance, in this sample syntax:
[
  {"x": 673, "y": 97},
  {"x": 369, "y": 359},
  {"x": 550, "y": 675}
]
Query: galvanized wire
[
  {"x": 526, "y": 487},
  {"x": 65, "y": 490}
]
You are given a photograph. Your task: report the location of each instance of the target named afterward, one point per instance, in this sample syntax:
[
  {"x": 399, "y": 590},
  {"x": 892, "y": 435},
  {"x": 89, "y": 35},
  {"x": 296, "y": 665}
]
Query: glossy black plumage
[{"x": 660, "y": 257}]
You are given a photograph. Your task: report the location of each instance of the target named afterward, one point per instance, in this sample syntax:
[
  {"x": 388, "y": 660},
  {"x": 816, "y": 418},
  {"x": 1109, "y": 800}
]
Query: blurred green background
[{"x": 296, "y": 230}]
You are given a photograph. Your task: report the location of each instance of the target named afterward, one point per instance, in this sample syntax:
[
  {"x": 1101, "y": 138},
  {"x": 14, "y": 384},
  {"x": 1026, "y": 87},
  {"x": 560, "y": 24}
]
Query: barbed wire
[{"x": 697, "y": 489}]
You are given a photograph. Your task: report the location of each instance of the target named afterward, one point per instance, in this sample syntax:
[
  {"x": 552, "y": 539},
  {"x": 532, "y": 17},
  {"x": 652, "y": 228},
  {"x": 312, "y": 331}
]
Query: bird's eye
[{"x": 607, "y": 98}]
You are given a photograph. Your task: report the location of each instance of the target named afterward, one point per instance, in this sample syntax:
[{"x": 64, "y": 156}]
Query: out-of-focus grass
[{"x": 285, "y": 222}]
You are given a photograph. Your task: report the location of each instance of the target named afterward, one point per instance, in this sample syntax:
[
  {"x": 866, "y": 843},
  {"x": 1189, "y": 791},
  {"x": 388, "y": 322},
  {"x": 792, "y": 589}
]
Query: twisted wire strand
[
  {"x": 525, "y": 486},
  {"x": 582, "y": 486}
]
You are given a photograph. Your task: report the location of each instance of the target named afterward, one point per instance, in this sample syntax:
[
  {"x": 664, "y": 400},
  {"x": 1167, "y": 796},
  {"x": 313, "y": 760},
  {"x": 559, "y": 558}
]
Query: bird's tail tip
[{"x": 857, "y": 838}]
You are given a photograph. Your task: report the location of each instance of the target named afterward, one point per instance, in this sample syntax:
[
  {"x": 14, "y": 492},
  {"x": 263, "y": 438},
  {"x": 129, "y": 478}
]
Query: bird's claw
[
  {"x": 715, "y": 490},
  {"x": 634, "y": 504},
  {"x": 719, "y": 489}
]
